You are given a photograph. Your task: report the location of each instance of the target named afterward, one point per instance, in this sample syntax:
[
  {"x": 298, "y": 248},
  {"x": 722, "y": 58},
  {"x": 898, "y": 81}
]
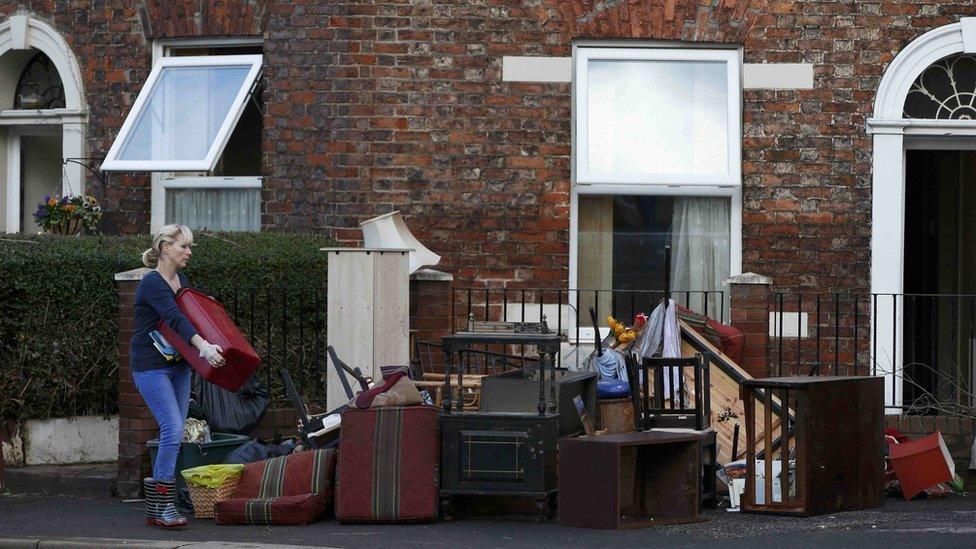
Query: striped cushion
[
  {"x": 388, "y": 465},
  {"x": 283, "y": 510},
  {"x": 293, "y": 489}
]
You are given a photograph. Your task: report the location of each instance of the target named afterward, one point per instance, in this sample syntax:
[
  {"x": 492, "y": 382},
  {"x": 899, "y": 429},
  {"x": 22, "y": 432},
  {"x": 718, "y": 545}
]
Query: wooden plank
[
  {"x": 349, "y": 317},
  {"x": 802, "y": 447},
  {"x": 725, "y": 396},
  {"x": 768, "y": 446},
  {"x": 391, "y": 309},
  {"x": 748, "y": 497},
  {"x": 784, "y": 449}
]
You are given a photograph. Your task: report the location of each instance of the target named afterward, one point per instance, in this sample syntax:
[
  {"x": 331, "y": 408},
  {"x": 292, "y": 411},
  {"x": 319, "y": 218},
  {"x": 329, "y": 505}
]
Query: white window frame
[
  {"x": 584, "y": 184},
  {"x": 583, "y": 54},
  {"x": 112, "y": 161},
  {"x": 161, "y": 181}
]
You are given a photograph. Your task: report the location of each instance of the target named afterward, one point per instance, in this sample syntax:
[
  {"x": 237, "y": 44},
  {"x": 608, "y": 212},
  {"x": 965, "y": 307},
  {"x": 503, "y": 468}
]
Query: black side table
[{"x": 500, "y": 453}]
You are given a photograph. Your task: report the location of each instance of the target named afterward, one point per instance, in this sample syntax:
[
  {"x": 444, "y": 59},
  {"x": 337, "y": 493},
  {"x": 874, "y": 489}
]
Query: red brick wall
[
  {"x": 430, "y": 320},
  {"x": 410, "y": 113},
  {"x": 277, "y": 422},
  {"x": 374, "y": 106},
  {"x": 136, "y": 423},
  {"x": 749, "y": 307},
  {"x": 401, "y": 106}
]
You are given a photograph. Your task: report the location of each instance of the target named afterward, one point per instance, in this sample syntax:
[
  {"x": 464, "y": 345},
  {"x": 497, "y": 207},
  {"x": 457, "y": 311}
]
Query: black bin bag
[{"x": 228, "y": 412}]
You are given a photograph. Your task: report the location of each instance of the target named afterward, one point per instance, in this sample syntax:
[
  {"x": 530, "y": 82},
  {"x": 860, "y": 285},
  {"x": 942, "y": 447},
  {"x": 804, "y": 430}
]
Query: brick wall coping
[
  {"x": 367, "y": 250},
  {"x": 750, "y": 278},
  {"x": 134, "y": 274},
  {"x": 432, "y": 275}
]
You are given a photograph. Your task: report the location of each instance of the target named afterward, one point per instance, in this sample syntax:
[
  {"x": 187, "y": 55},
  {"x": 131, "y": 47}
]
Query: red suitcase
[
  {"x": 388, "y": 465},
  {"x": 213, "y": 324}
]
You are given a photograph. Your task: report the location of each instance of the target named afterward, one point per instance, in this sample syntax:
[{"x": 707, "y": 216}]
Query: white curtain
[
  {"x": 215, "y": 209},
  {"x": 700, "y": 251}
]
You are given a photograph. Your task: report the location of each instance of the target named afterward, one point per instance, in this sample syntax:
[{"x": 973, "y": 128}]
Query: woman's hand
[{"x": 211, "y": 353}]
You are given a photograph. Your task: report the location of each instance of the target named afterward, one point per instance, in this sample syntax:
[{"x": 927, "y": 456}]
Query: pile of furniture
[{"x": 498, "y": 434}]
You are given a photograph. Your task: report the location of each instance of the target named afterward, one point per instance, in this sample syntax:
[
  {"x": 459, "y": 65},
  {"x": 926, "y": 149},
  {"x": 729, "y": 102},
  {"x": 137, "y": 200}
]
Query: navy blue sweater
[{"x": 155, "y": 300}]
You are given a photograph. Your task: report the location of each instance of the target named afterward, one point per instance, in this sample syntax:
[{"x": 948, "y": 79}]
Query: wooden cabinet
[
  {"x": 368, "y": 312},
  {"x": 501, "y": 453},
  {"x": 630, "y": 480},
  {"x": 832, "y": 457}
]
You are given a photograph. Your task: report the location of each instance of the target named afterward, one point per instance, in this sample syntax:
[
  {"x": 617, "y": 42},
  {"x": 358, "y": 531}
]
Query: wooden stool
[{"x": 616, "y": 415}]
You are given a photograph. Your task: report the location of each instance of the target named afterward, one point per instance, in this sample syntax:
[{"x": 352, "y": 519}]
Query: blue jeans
[{"x": 167, "y": 393}]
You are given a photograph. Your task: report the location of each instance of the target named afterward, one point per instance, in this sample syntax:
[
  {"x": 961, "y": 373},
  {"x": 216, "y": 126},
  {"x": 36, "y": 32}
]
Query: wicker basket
[{"x": 204, "y": 499}]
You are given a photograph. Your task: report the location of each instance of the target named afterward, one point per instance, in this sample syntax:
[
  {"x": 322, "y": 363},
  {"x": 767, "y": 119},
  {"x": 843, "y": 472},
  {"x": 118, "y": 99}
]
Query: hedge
[{"x": 59, "y": 307}]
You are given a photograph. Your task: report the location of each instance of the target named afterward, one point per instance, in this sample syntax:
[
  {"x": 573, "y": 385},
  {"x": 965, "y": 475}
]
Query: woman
[{"x": 165, "y": 386}]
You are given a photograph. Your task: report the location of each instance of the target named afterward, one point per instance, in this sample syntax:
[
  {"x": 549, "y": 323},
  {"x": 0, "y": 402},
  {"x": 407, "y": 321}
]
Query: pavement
[{"x": 73, "y": 521}]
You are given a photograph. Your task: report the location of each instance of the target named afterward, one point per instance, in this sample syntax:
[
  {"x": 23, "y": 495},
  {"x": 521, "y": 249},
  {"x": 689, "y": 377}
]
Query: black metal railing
[
  {"x": 566, "y": 310},
  {"x": 286, "y": 325},
  {"x": 923, "y": 342}
]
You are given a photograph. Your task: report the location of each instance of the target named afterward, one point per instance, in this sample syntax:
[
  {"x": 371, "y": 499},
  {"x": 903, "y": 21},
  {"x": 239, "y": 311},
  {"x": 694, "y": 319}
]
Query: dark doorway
[{"x": 940, "y": 274}]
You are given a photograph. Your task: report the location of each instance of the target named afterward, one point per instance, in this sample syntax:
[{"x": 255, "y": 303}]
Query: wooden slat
[
  {"x": 768, "y": 445},
  {"x": 749, "y": 495},
  {"x": 784, "y": 449},
  {"x": 349, "y": 317},
  {"x": 802, "y": 448}
]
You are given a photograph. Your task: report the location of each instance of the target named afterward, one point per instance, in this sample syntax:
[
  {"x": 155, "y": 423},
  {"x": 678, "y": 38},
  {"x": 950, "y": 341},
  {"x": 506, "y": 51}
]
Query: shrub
[{"x": 59, "y": 308}]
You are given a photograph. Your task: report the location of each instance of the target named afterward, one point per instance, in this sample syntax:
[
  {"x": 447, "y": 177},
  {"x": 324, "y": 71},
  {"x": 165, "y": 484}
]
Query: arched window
[
  {"x": 946, "y": 90},
  {"x": 39, "y": 86}
]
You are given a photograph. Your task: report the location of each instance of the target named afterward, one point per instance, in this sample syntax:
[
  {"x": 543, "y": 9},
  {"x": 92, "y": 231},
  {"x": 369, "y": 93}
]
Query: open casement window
[
  {"x": 185, "y": 114},
  {"x": 657, "y": 161}
]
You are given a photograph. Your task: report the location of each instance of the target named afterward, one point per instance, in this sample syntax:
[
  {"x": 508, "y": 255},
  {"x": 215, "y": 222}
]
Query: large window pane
[
  {"x": 621, "y": 247},
  {"x": 657, "y": 117},
  {"x": 215, "y": 209},
  {"x": 185, "y": 111}
]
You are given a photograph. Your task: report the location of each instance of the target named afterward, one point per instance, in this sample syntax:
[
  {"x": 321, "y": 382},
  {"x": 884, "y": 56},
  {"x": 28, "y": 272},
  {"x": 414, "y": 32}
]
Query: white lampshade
[{"x": 389, "y": 231}]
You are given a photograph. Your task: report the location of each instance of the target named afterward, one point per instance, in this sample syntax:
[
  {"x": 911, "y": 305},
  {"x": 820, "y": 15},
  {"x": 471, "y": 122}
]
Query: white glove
[{"x": 211, "y": 353}]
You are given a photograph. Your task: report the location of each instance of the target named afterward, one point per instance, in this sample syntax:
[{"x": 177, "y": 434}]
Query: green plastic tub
[{"x": 193, "y": 454}]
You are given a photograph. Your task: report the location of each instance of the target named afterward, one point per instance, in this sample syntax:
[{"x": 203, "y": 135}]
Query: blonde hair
[{"x": 166, "y": 235}]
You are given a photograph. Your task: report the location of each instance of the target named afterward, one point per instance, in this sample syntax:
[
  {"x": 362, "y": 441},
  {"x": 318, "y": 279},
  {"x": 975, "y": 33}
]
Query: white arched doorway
[
  {"x": 894, "y": 135},
  {"x": 22, "y": 39}
]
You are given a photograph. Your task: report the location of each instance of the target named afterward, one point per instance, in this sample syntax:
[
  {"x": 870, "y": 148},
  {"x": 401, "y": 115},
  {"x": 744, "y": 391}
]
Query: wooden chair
[
  {"x": 673, "y": 408},
  {"x": 482, "y": 363}
]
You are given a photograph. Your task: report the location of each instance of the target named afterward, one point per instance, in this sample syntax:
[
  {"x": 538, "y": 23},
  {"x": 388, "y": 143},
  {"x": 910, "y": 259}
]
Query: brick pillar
[
  {"x": 749, "y": 304},
  {"x": 136, "y": 423},
  {"x": 430, "y": 311}
]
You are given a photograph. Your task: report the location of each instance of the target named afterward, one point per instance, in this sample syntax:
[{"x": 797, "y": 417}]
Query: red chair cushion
[
  {"x": 388, "y": 465},
  {"x": 293, "y": 489},
  {"x": 284, "y": 510}
]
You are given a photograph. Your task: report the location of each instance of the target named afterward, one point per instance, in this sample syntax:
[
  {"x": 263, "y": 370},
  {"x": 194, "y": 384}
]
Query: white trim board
[
  {"x": 777, "y": 76},
  {"x": 755, "y": 76}
]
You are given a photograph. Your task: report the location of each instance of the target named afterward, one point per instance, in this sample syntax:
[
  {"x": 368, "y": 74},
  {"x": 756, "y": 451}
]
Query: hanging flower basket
[
  {"x": 68, "y": 215},
  {"x": 68, "y": 227}
]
